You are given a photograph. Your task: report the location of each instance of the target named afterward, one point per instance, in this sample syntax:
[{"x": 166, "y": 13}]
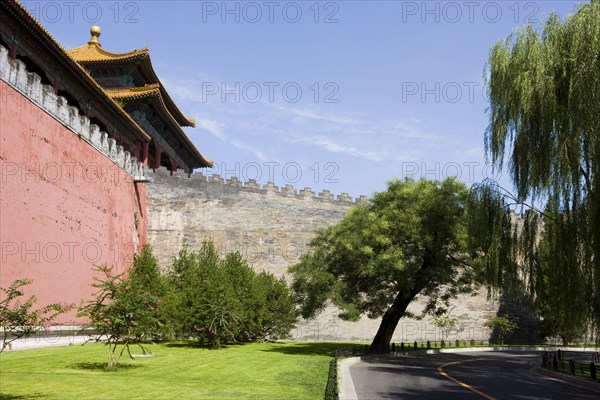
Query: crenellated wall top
[{"x": 267, "y": 189}]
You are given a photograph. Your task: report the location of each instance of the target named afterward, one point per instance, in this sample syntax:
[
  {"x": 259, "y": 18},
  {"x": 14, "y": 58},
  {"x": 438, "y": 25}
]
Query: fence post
[
  {"x": 428, "y": 345},
  {"x": 559, "y": 355},
  {"x": 554, "y": 362},
  {"x": 593, "y": 370},
  {"x": 402, "y": 347},
  {"x": 393, "y": 347},
  {"x": 572, "y": 367},
  {"x": 544, "y": 359},
  {"x": 416, "y": 345}
]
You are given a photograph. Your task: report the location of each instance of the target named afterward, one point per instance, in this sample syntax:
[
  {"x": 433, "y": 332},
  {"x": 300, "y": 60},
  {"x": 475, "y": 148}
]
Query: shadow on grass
[
  {"x": 191, "y": 344},
  {"x": 308, "y": 348},
  {"x": 6, "y": 396},
  {"x": 97, "y": 366}
]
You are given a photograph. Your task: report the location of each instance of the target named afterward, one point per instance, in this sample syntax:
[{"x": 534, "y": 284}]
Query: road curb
[
  {"x": 347, "y": 391},
  {"x": 590, "y": 386}
]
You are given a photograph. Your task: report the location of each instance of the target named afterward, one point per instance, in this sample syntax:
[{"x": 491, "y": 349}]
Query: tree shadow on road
[
  {"x": 501, "y": 375},
  {"x": 403, "y": 378}
]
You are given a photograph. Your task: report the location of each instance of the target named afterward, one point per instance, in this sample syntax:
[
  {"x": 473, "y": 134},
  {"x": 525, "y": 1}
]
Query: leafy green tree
[
  {"x": 120, "y": 314},
  {"x": 219, "y": 300},
  {"x": 544, "y": 91},
  {"x": 217, "y": 323},
  {"x": 445, "y": 323},
  {"x": 145, "y": 273},
  {"x": 201, "y": 303},
  {"x": 18, "y": 320},
  {"x": 185, "y": 290},
  {"x": 559, "y": 299},
  {"x": 186, "y": 284},
  {"x": 415, "y": 239},
  {"x": 238, "y": 284},
  {"x": 278, "y": 314},
  {"x": 145, "y": 276},
  {"x": 264, "y": 303},
  {"x": 502, "y": 325}
]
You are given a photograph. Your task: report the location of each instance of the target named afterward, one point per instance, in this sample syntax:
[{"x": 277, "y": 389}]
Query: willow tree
[
  {"x": 544, "y": 91},
  {"x": 427, "y": 238}
]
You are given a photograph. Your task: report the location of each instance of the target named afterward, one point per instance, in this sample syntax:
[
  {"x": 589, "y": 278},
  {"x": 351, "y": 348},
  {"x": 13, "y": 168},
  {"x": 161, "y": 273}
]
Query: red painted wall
[{"x": 64, "y": 207}]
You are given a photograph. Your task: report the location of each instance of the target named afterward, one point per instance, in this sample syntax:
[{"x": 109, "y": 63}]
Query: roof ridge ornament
[{"x": 95, "y": 31}]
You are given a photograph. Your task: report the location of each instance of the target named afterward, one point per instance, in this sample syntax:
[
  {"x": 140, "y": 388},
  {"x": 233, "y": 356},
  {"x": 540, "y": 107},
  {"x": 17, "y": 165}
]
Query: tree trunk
[{"x": 381, "y": 342}]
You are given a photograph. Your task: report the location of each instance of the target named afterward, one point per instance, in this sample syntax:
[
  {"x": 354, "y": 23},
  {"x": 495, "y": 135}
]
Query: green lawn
[{"x": 177, "y": 371}]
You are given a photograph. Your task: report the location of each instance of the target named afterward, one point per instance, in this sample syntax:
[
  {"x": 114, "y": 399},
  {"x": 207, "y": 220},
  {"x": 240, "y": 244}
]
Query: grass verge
[{"x": 177, "y": 371}]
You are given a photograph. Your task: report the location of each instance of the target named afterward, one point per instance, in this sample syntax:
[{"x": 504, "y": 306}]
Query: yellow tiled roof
[
  {"x": 93, "y": 52},
  {"x": 135, "y": 92},
  {"x": 153, "y": 92},
  {"x": 71, "y": 60},
  {"x": 52, "y": 45}
]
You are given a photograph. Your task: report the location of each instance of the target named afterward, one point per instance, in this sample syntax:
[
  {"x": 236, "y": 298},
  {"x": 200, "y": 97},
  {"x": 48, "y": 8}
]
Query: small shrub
[
  {"x": 122, "y": 314},
  {"x": 18, "y": 320},
  {"x": 445, "y": 323},
  {"x": 503, "y": 325}
]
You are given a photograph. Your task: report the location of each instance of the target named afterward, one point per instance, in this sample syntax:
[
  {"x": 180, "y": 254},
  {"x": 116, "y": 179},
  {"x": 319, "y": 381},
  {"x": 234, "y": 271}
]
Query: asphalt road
[{"x": 487, "y": 375}]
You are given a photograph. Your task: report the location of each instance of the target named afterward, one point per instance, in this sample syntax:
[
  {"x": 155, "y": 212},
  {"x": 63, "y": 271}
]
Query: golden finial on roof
[{"x": 95, "y": 31}]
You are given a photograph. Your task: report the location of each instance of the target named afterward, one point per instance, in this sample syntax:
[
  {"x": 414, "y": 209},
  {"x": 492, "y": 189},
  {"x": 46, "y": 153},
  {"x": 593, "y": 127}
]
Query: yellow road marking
[{"x": 441, "y": 371}]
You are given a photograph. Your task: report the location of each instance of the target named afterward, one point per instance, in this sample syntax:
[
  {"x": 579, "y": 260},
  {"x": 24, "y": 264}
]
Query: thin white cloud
[
  {"x": 258, "y": 153},
  {"x": 273, "y": 127},
  {"x": 334, "y": 147},
  {"x": 312, "y": 114},
  {"x": 215, "y": 128}
]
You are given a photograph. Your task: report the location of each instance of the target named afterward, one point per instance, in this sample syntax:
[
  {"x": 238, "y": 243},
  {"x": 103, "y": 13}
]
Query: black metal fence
[
  {"x": 576, "y": 363},
  {"x": 428, "y": 345}
]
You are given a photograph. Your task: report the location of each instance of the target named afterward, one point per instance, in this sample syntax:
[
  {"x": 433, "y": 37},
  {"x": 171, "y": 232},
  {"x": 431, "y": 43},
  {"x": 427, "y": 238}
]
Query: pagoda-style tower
[{"x": 130, "y": 80}]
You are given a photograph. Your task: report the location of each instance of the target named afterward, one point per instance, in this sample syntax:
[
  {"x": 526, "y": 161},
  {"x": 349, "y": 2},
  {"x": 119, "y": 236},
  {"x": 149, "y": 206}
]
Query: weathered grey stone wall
[{"x": 271, "y": 228}]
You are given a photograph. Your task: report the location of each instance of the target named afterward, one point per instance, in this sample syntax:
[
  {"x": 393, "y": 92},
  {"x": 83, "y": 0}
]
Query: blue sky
[{"x": 337, "y": 95}]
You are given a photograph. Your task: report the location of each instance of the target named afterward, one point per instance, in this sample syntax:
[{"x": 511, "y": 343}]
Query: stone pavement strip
[{"x": 47, "y": 341}]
